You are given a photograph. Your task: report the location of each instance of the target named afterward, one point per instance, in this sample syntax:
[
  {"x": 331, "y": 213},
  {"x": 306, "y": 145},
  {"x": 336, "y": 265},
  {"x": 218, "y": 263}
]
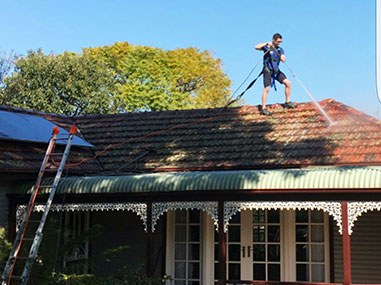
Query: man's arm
[
  {"x": 260, "y": 46},
  {"x": 282, "y": 56}
]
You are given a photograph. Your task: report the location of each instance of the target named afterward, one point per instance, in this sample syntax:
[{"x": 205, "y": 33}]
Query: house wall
[
  {"x": 365, "y": 249},
  {"x": 5, "y": 188},
  {"x": 121, "y": 228},
  {"x": 3, "y": 206}
]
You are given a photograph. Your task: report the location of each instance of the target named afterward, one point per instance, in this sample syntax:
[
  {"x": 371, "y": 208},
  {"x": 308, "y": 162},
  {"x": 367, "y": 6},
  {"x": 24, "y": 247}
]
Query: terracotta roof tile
[
  {"x": 234, "y": 138},
  {"x": 238, "y": 138}
]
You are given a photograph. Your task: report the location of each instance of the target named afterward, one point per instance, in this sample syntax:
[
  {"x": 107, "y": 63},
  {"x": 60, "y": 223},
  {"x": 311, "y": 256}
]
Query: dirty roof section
[
  {"x": 213, "y": 139},
  {"x": 235, "y": 138}
]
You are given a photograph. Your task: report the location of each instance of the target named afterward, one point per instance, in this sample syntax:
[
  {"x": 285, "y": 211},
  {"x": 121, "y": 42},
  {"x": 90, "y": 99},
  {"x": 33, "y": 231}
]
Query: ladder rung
[
  {"x": 51, "y": 169},
  {"x": 19, "y": 257},
  {"x": 46, "y": 186},
  {"x": 56, "y": 153},
  {"x": 22, "y": 257},
  {"x": 28, "y": 239},
  {"x": 17, "y": 278}
]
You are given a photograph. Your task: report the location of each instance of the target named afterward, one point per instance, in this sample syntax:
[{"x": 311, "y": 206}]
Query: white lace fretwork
[
  {"x": 332, "y": 208},
  {"x": 138, "y": 208},
  {"x": 356, "y": 209},
  {"x": 160, "y": 208}
]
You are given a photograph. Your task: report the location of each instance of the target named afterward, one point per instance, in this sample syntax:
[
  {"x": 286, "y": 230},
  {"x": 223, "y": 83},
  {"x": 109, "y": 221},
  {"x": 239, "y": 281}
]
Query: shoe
[
  {"x": 289, "y": 105},
  {"x": 266, "y": 112}
]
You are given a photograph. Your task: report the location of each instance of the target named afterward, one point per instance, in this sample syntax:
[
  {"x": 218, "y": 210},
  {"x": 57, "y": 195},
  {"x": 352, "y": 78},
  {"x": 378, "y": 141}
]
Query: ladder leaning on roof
[{"x": 9, "y": 273}]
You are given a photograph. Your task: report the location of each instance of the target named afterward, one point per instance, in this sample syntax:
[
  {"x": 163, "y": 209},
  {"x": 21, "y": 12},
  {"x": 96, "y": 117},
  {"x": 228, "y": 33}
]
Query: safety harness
[
  {"x": 231, "y": 100},
  {"x": 273, "y": 71}
]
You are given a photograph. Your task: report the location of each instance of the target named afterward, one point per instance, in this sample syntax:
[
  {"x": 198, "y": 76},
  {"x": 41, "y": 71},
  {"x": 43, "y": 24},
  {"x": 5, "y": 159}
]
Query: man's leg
[
  {"x": 267, "y": 84},
  {"x": 264, "y": 96},
  {"x": 287, "y": 90}
]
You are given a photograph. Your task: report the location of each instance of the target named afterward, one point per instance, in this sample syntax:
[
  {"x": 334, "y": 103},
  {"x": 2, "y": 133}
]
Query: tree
[
  {"x": 116, "y": 78},
  {"x": 5, "y": 248},
  {"x": 68, "y": 83},
  {"x": 153, "y": 79},
  {"x": 6, "y": 65}
]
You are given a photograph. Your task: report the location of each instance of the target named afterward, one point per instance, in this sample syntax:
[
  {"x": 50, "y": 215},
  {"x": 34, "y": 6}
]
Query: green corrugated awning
[{"x": 280, "y": 179}]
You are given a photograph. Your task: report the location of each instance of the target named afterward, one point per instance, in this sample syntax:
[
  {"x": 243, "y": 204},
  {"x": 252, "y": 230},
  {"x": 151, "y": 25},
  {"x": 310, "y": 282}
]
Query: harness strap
[
  {"x": 273, "y": 77},
  {"x": 247, "y": 88},
  {"x": 273, "y": 72}
]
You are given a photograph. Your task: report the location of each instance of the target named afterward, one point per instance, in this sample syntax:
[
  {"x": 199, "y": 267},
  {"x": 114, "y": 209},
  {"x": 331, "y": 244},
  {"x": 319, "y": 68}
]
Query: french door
[
  {"x": 253, "y": 246},
  {"x": 263, "y": 245},
  {"x": 273, "y": 245}
]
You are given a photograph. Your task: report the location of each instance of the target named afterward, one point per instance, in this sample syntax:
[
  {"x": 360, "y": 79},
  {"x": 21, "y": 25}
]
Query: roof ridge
[
  {"x": 205, "y": 110},
  {"x": 248, "y": 109},
  {"x": 155, "y": 112},
  {"x": 32, "y": 112},
  {"x": 272, "y": 106}
]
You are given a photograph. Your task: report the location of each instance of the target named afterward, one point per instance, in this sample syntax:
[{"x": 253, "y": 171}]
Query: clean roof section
[{"x": 24, "y": 127}]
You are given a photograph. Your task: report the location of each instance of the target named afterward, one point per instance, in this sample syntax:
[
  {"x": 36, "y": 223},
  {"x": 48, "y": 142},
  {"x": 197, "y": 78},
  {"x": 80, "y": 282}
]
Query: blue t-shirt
[{"x": 272, "y": 58}]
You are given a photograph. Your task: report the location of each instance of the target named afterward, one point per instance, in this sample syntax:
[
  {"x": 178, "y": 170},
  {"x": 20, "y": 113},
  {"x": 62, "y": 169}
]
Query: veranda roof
[{"x": 330, "y": 178}]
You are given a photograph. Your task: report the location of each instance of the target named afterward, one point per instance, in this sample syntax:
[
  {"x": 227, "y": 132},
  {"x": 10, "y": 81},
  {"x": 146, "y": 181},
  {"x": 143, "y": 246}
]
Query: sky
[{"x": 329, "y": 44}]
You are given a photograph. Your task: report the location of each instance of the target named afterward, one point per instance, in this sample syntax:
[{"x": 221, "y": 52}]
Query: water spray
[{"x": 321, "y": 110}]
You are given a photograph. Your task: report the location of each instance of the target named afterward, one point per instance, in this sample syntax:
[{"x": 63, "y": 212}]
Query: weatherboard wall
[{"x": 365, "y": 250}]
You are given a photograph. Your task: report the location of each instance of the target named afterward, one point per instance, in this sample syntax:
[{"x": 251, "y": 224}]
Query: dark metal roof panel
[{"x": 24, "y": 127}]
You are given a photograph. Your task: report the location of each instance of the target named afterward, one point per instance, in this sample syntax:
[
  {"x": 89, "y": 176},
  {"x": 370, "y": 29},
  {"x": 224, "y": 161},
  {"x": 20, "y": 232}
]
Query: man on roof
[{"x": 271, "y": 72}]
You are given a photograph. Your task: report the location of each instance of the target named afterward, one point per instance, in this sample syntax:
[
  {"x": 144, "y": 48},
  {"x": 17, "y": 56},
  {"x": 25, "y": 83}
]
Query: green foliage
[
  {"x": 5, "y": 248},
  {"x": 116, "y": 78},
  {"x": 43, "y": 268},
  {"x": 74, "y": 279},
  {"x": 124, "y": 277},
  {"x": 50, "y": 258},
  {"x": 133, "y": 276},
  {"x": 67, "y": 83},
  {"x": 153, "y": 79}
]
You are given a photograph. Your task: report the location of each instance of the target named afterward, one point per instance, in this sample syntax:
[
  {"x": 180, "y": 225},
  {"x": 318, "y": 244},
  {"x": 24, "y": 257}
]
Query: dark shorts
[{"x": 280, "y": 77}]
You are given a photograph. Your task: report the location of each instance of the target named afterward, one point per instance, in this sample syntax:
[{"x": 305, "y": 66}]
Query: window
[
  {"x": 187, "y": 251},
  {"x": 77, "y": 224},
  {"x": 266, "y": 245},
  {"x": 233, "y": 254},
  {"x": 310, "y": 246}
]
